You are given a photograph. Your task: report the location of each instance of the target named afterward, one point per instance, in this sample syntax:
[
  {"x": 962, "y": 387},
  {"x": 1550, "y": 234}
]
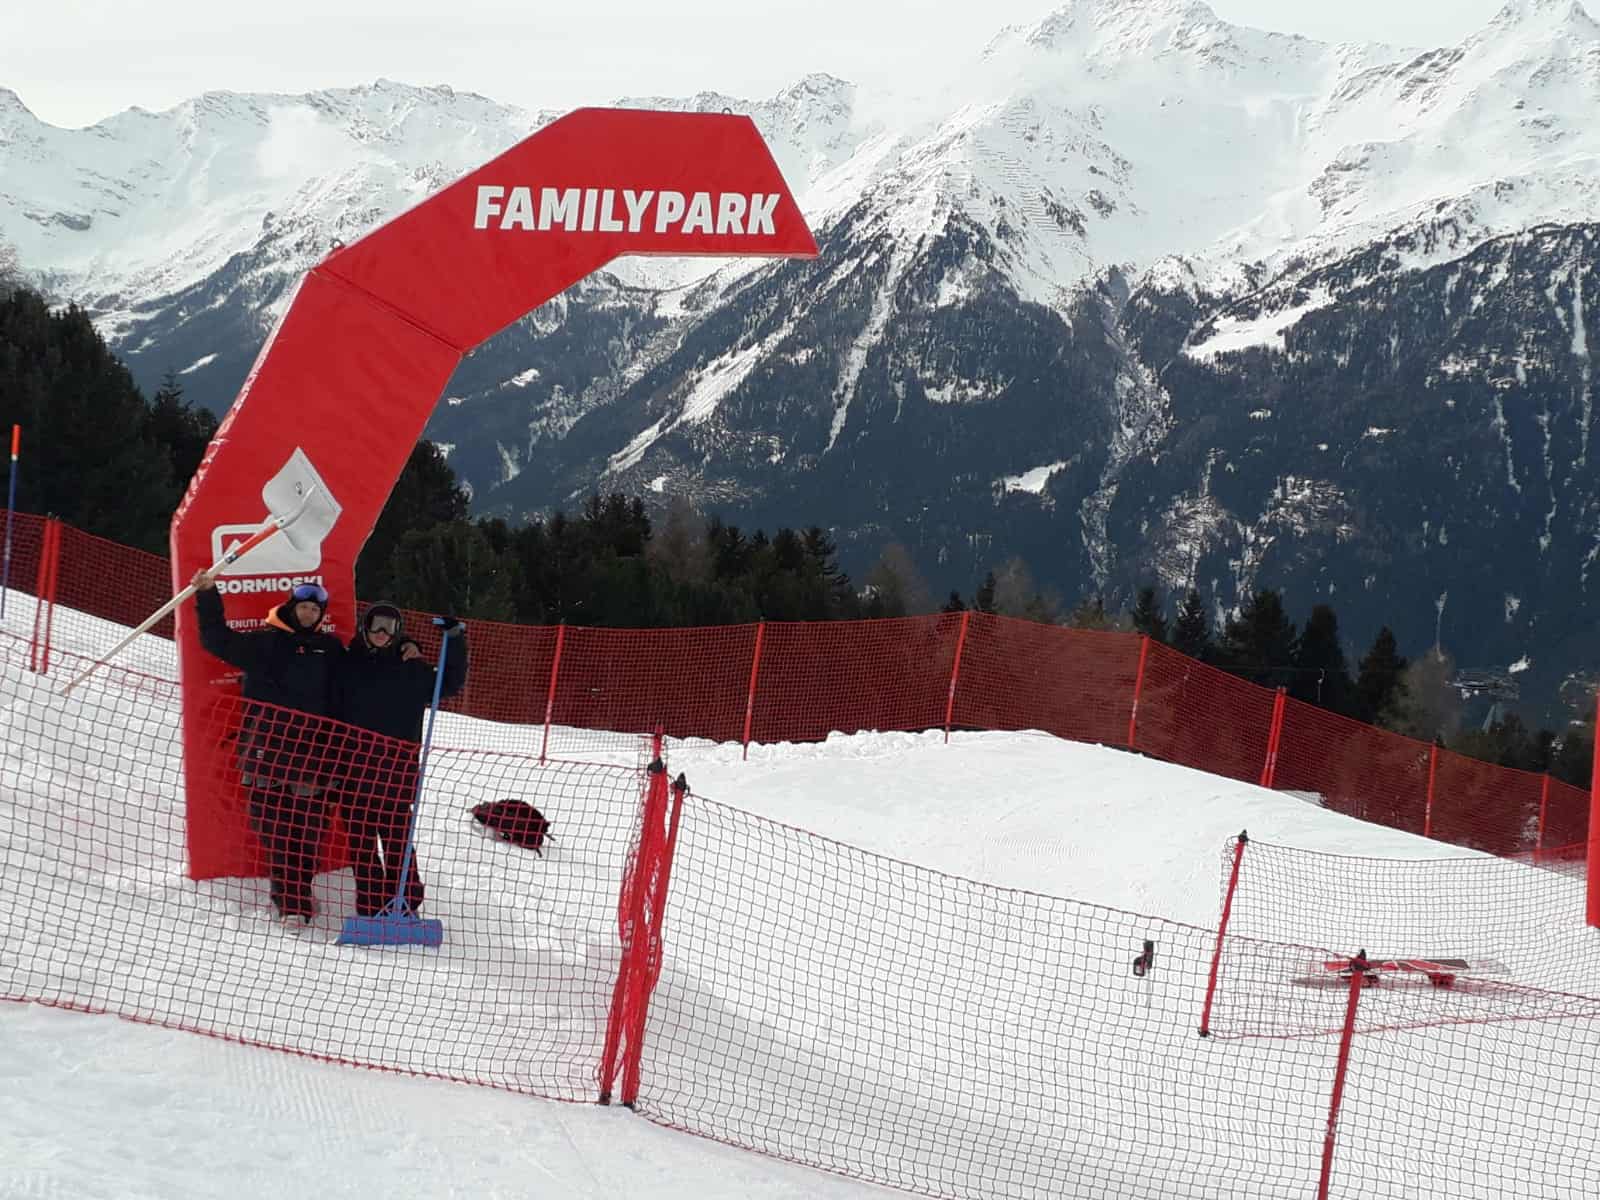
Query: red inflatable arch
[{"x": 345, "y": 385}]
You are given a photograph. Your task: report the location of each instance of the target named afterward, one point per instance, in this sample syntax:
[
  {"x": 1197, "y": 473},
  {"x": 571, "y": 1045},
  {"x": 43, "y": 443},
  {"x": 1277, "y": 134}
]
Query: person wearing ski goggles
[{"x": 384, "y": 686}]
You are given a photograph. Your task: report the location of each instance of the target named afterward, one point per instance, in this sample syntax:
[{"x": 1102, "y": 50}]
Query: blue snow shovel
[{"x": 395, "y": 924}]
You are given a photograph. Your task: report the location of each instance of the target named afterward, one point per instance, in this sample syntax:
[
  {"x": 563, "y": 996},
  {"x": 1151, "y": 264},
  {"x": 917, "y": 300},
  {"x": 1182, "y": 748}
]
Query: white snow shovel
[{"x": 235, "y": 552}]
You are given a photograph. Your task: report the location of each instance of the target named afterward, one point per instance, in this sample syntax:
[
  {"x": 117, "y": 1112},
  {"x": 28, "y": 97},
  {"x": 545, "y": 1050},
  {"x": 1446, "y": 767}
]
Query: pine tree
[
  {"x": 91, "y": 459},
  {"x": 452, "y": 568},
  {"x": 1507, "y": 742},
  {"x": 1191, "y": 632},
  {"x": 425, "y": 495},
  {"x": 955, "y": 604},
  {"x": 617, "y": 524},
  {"x": 1379, "y": 681},
  {"x": 984, "y": 600},
  {"x": 839, "y": 597},
  {"x": 1147, "y": 616},
  {"x": 1321, "y": 674},
  {"x": 184, "y": 430},
  {"x": 1260, "y": 643},
  {"x": 730, "y": 549}
]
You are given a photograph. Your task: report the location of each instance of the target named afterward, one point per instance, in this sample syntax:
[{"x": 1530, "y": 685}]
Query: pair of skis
[{"x": 1440, "y": 971}]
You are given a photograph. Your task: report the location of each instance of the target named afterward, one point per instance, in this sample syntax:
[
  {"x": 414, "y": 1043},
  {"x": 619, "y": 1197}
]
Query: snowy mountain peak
[
  {"x": 1114, "y": 26},
  {"x": 817, "y": 84},
  {"x": 1124, "y": 13},
  {"x": 1567, "y": 17}
]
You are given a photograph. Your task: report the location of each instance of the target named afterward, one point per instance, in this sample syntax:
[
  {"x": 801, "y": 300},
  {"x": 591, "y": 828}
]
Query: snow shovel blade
[
  {"x": 299, "y": 488},
  {"x": 392, "y": 930},
  {"x": 298, "y": 482}
]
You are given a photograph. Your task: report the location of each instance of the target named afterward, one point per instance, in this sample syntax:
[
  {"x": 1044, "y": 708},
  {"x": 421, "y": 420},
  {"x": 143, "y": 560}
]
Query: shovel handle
[{"x": 232, "y": 555}]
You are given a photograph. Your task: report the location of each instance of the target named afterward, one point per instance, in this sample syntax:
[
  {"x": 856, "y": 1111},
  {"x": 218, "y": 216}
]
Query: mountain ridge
[{"x": 1050, "y": 304}]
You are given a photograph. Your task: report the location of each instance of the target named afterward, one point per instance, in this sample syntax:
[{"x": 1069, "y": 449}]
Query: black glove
[{"x": 451, "y": 626}]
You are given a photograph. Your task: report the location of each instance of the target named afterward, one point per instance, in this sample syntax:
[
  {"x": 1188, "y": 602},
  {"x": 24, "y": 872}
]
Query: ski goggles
[
  {"x": 314, "y": 592},
  {"x": 383, "y": 623}
]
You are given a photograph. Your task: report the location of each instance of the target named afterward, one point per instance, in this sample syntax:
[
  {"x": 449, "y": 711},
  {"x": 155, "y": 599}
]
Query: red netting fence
[
  {"x": 1519, "y": 931},
  {"x": 1463, "y": 995},
  {"x": 551, "y": 690},
  {"x": 841, "y": 1009},
  {"x": 773, "y": 989},
  {"x": 100, "y": 915}
]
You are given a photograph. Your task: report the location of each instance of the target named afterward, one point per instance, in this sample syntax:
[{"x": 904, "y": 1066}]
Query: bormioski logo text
[
  {"x": 623, "y": 210},
  {"x": 263, "y": 583}
]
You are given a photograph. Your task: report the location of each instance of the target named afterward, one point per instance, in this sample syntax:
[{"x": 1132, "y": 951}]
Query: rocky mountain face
[{"x": 1143, "y": 296}]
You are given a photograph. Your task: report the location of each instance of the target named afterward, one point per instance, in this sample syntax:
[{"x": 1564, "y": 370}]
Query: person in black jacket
[
  {"x": 284, "y": 750},
  {"x": 385, "y": 686}
]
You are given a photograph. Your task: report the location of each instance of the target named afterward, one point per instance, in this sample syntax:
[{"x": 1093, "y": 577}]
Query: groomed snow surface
[{"x": 93, "y": 1106}]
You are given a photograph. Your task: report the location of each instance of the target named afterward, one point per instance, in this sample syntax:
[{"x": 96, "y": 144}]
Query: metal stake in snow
[
  {"x": 11, "y": 511},
  {"x": 233, "y": 554}
]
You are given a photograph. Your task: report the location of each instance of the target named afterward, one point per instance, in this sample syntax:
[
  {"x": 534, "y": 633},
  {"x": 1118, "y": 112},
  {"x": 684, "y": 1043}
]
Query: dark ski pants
[
  {"x": 290, "y": 825},
  {"x": 378, "y": 819}
]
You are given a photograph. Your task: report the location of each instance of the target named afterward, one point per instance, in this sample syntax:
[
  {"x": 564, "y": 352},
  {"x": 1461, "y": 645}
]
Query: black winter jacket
[
  {"x": 282, "y": 664},
  {"x": 286, "y": 667},
  {"x": 377, "y": 690}
]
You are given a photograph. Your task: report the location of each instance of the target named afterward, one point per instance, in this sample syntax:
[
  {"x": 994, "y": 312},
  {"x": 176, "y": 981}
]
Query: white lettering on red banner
[
  {"x": 274, "y": 583},
  {"x": 596, "y": 210}
]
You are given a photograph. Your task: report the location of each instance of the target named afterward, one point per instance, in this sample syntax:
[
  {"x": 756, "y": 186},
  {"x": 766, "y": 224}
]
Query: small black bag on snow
[{"x": 515, "y": 821}]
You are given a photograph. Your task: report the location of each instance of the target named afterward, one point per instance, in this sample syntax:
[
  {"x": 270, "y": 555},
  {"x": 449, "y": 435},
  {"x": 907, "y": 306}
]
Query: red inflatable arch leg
[{"x": 343, "y": 389}]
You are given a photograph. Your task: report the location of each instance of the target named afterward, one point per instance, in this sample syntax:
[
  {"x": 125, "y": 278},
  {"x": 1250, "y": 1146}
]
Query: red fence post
[
  {"x": 1222, "y": 929},
  {"x": 750, "y": 694},
  {"x": 1594, "y": 824},
  {"x": 1358, "y": 980},
  {"x": 44, "y": 608},
  {"x": 1269, "y": 769},
  {"x": 650, "y": 959},
  {"x": 955, "y": 673},
  {"x": 1138, "y": 689},
  {"x": 1433, "y": 775},
  {"x": 631, "y": 920},
  {"x": 550, "y": 698}
]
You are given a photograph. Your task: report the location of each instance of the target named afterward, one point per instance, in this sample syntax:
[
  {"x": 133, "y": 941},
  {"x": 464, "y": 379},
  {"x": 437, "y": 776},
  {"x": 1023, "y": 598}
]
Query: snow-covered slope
[{"x": 174, "y": 1114}]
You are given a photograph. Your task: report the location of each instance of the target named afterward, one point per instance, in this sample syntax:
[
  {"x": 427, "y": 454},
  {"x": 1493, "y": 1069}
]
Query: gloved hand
[{"x": 452, "y": 626}]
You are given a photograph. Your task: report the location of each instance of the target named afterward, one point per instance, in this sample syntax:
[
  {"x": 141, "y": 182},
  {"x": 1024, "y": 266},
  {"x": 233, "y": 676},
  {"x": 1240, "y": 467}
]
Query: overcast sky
[{"x": 76, "y": 61}]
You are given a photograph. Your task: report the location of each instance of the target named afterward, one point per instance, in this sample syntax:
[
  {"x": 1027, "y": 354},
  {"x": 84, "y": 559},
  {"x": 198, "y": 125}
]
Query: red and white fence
[
  {"x": 799, "y": 681},
  {"x": 761, "y": 985}
]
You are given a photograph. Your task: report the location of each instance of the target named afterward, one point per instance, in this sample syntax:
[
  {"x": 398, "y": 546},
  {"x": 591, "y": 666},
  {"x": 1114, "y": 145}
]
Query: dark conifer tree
[
  {"x": 983, "y": 601},
  {"x": 183, "y": 429},
  {"x": 1379, "y": 679},
  {"x": 452, "y": 568},
  {"x": 1147, "y": 616},
  {"x": 1191, "y": 632},
  {"x": 90, "y": 456},
  {"x": 823, "y": 554},
  {"x": 1321, "y": 674},
  {"x": 425, "y": 495},
  {"x": 1260, "y": 643}
]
